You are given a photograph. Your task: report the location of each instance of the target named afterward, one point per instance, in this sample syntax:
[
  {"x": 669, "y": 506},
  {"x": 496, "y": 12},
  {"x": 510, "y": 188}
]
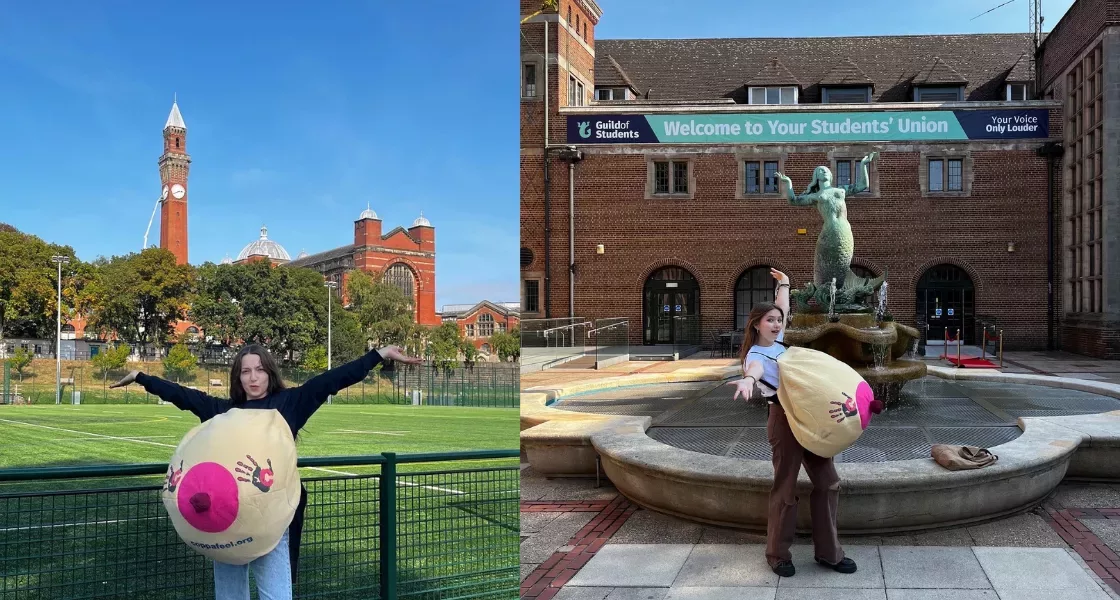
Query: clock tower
[{"x": 174, "y": 165}]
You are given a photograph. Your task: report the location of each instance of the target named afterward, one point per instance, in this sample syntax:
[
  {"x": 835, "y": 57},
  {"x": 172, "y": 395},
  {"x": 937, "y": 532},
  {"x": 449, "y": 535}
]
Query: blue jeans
[{"x": 273, "y": 573}]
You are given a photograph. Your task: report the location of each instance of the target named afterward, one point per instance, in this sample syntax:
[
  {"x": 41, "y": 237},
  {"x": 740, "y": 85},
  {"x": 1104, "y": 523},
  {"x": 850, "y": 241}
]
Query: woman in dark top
[{"x": 256, "y": 383}]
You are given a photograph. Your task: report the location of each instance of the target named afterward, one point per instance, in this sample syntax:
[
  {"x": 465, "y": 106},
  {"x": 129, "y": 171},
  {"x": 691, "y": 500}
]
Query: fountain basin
[
  {"x": 853, "y": 339},
  {"x": 875, "y": 497}
]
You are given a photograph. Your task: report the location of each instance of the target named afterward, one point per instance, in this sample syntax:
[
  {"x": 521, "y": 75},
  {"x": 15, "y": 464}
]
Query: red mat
[{"x": 974, "y": 363}]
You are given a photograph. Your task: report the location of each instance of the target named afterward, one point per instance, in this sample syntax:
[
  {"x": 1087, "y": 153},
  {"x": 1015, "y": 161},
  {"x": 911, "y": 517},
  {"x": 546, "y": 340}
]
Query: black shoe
[
  {"x": 784, "y": 569},
  {"x": 845, "y": 566}
]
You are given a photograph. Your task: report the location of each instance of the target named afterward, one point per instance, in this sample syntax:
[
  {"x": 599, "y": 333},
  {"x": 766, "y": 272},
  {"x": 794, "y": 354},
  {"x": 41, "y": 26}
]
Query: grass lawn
[{"x": 457, "y": 533}]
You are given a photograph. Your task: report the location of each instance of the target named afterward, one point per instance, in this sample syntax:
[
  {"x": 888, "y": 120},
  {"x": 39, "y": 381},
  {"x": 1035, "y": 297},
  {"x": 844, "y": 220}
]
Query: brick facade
[
  {"x": 174, "y": 168},
  {"x": 995, "y": 230},
  {"x": 482, "y": 321},
  {"x": 1079, "y": 65}
]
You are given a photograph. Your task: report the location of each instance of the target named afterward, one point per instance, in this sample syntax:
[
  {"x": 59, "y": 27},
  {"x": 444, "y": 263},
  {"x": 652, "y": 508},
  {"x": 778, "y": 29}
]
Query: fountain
[{"x": 832, "y": 313}]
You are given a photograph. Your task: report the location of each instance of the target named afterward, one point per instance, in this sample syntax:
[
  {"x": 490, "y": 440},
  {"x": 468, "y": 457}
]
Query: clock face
[
  {"x": 178, "y": 191},
  {"x": 163, "y": 196}
]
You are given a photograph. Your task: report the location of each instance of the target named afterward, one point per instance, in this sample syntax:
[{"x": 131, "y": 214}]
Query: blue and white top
[{"x": 768, "y": 356}]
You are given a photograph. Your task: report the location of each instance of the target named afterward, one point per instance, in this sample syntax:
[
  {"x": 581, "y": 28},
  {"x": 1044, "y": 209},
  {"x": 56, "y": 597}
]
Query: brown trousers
[{"x": 781, "y": 521}]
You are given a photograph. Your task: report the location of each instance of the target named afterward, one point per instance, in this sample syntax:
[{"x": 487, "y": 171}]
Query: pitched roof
[
  {"x": 321, "y": 257},
  {"x": 845, "y": 73},
  {"x": 460, "y": 311},
  {"x": 703, "y": 70},
  {"x": 774, "y": 73},
  {"x": 1021, "y": 71},
  {"x": 613, "y": 76},
  {"x": 937, "y": 71}
]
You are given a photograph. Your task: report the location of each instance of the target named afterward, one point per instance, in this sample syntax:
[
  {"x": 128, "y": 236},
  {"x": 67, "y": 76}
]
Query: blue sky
[
  {"x": 815, "y": 18},
  {"x": 296, "y": 116}
]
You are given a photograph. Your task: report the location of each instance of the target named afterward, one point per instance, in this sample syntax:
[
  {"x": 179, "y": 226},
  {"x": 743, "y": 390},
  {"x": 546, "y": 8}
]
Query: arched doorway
[
  {"x": 754, "y": 285},
  {"x": 671, "y": 307},
  {"x": 947, "y": 301}
]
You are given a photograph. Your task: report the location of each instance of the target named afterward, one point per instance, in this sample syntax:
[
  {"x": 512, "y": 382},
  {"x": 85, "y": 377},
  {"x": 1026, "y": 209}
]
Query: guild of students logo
[
  {"x": 585, "y": 129},
  {"x": 237, "y": 486}
]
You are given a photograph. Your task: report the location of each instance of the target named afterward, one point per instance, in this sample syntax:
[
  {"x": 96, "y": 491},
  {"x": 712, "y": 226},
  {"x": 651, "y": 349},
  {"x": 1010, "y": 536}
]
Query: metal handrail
[
  {"x": 598, "y": 329},
  {"x": 572, "y": 326}
]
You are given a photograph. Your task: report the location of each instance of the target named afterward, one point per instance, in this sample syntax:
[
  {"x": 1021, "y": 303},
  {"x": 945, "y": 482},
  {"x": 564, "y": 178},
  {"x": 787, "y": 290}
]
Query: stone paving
[{"x": 582, "y": 542}]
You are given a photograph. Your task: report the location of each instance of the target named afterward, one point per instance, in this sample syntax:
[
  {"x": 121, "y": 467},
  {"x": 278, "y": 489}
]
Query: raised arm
[
  {"x": 318, "y": 388},
  {"x": 862, "y": 178},
  {"x": 202, "y": 405},
  {"x": 781, "y": 295},
  {"x": 806, "y": 199}
]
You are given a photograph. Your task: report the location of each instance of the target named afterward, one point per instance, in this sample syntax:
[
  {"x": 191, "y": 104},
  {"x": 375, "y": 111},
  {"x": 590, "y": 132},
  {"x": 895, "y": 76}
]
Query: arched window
[
  {"x": 755, "y": 285},
  {"x": 401, "y": 277},
  {"x": 485, "y": 325},
  {"x": 485, "y": 349}
]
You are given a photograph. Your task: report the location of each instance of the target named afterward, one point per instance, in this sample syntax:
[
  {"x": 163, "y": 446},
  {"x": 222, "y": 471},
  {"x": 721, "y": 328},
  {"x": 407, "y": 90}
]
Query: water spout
[{"x": 882, "y": 310}]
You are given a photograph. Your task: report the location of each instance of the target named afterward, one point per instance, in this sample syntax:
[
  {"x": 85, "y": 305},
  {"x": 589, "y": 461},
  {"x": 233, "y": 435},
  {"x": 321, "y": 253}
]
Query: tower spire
[{"x": 175, "y": 119}]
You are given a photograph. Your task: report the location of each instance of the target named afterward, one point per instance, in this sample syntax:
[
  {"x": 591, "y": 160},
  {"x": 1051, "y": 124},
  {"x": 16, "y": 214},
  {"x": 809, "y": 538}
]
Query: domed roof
[
  {"x": 421, "y": 221},
  {"x": 227, "y": 260},
  {"x": 367, "y": 213},
  {"x": 264, "y": 247},
  {"x": 302, "y": 254}
]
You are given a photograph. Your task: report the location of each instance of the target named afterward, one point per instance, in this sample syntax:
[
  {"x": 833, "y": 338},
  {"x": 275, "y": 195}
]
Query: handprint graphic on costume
[
  {"x": 845, "y": 410},
  {"x": 173, "y": 477},
  {"x": 262, "y": 478}
]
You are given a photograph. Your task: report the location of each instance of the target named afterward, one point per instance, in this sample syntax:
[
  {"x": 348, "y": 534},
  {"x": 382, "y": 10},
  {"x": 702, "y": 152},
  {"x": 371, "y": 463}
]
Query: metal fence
[
  {"x": 483, "y": 385},
  {"x": 392, "y": 533}
]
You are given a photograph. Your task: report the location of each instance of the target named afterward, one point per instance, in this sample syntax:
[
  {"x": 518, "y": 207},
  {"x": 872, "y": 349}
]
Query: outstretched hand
[
  {"x": 743, "y": 387},
  {"x": 870, "y": 157},
  {"x": 127, "y": 379},
  {"x": 397, "y": 353},
  {"x": 779, "y": 276}
]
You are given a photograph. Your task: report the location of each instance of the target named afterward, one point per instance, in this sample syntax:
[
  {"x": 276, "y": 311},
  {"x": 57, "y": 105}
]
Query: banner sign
[{"x": 761, "y": 128}]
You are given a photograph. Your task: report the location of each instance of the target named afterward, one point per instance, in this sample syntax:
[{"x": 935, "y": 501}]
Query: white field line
[
  {"x": 108, "y": 437},
  {"x": 30, "y": 527},
  {"x": 400, "y": 433},
  {"x": 389, "y": 414},
  {"x": 399, "y": 483}
]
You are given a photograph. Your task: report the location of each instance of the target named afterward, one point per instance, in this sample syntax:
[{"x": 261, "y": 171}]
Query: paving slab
[
  {"x": 726, "y": 535},
  {"x": 721, "y": 593},
  {"x": 1018, "y": 594},
  {"x": 946, "y": 594},
  {"x": 1086, "y": 495},
  {"x": 830, "y": 594},
  {"x": 725, "y": 565},
  {"x": 541, "y": 545},
  {"x": 633, "y": 565},
  {"x": 811, "y": 575},
  {"x": 943, "y": 537},
  {"x": 533, "y": 522},
  {"x": 1021, "y": 570},
  {"x": 932, "y": 567},
  {"x": 638, "y": 594},
  {"x": 648, "y": 527},
  {"x": 1106, "y": 529},
  {"x": 578, "y": 593},
  {"x": 1026, "y": 530}
]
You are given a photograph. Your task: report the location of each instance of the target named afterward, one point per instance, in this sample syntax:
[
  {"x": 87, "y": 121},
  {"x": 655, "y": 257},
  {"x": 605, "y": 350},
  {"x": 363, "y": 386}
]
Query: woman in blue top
[
  {"x": 762, "y": 345},
  {"x": 255, "y": 383}
]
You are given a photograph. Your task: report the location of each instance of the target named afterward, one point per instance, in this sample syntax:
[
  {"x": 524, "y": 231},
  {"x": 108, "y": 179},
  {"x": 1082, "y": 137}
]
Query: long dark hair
[
  {"x": 750, "y": 333},
  {"x": 275, "y": 381}
]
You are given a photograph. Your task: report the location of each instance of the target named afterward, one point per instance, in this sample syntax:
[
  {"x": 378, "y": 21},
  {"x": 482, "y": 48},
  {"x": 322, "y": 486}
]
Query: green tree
[
  {"x": 28, "y": 280},
  {"x": 179, "y": 364},
  {"x": 470, "y": 353},
  {"x": 138, "y": 296},
  {"x": 315, "y": 359},
  {"x": 348, "y": 341},
  {"x": 383, "y": 310},
  {"x": 19, "y": 360},
  {"x": 507, "y": 345},
  {"x": 111, "y": 360},
  {"x": 444, "y": 344}
]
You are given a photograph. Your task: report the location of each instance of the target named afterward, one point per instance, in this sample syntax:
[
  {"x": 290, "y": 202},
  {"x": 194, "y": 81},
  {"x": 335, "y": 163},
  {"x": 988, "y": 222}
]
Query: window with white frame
[
  {"x": 773, "y": 95},
  {"x": 470, "y": 330},
  {"x": 576, "y": 95},
  {"x": 1016, "y": 92},
  {"x": 946, "y": 174},
  {"x": 529, "y": 80},
  {"x": 619, "y": 93}
]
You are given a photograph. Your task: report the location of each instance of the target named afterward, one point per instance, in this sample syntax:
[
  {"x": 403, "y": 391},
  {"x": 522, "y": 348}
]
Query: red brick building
[
  {"x": 478, "y": 322},
  {"x": 661, "y": 161}
]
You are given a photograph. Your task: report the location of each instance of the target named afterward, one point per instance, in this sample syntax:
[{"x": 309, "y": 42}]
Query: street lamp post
[
  {"x": 330, "y": 285},
  {"x": 58, "y": 260}
]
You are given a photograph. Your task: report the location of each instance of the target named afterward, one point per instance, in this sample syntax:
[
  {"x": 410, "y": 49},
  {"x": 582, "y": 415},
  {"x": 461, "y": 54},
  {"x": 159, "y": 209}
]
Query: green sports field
[{"x": 457, "y": 521}]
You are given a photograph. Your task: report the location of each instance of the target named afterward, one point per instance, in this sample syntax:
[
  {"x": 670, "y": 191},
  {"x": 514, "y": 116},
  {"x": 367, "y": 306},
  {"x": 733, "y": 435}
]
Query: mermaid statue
[{"x": 835, "y": 245}]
